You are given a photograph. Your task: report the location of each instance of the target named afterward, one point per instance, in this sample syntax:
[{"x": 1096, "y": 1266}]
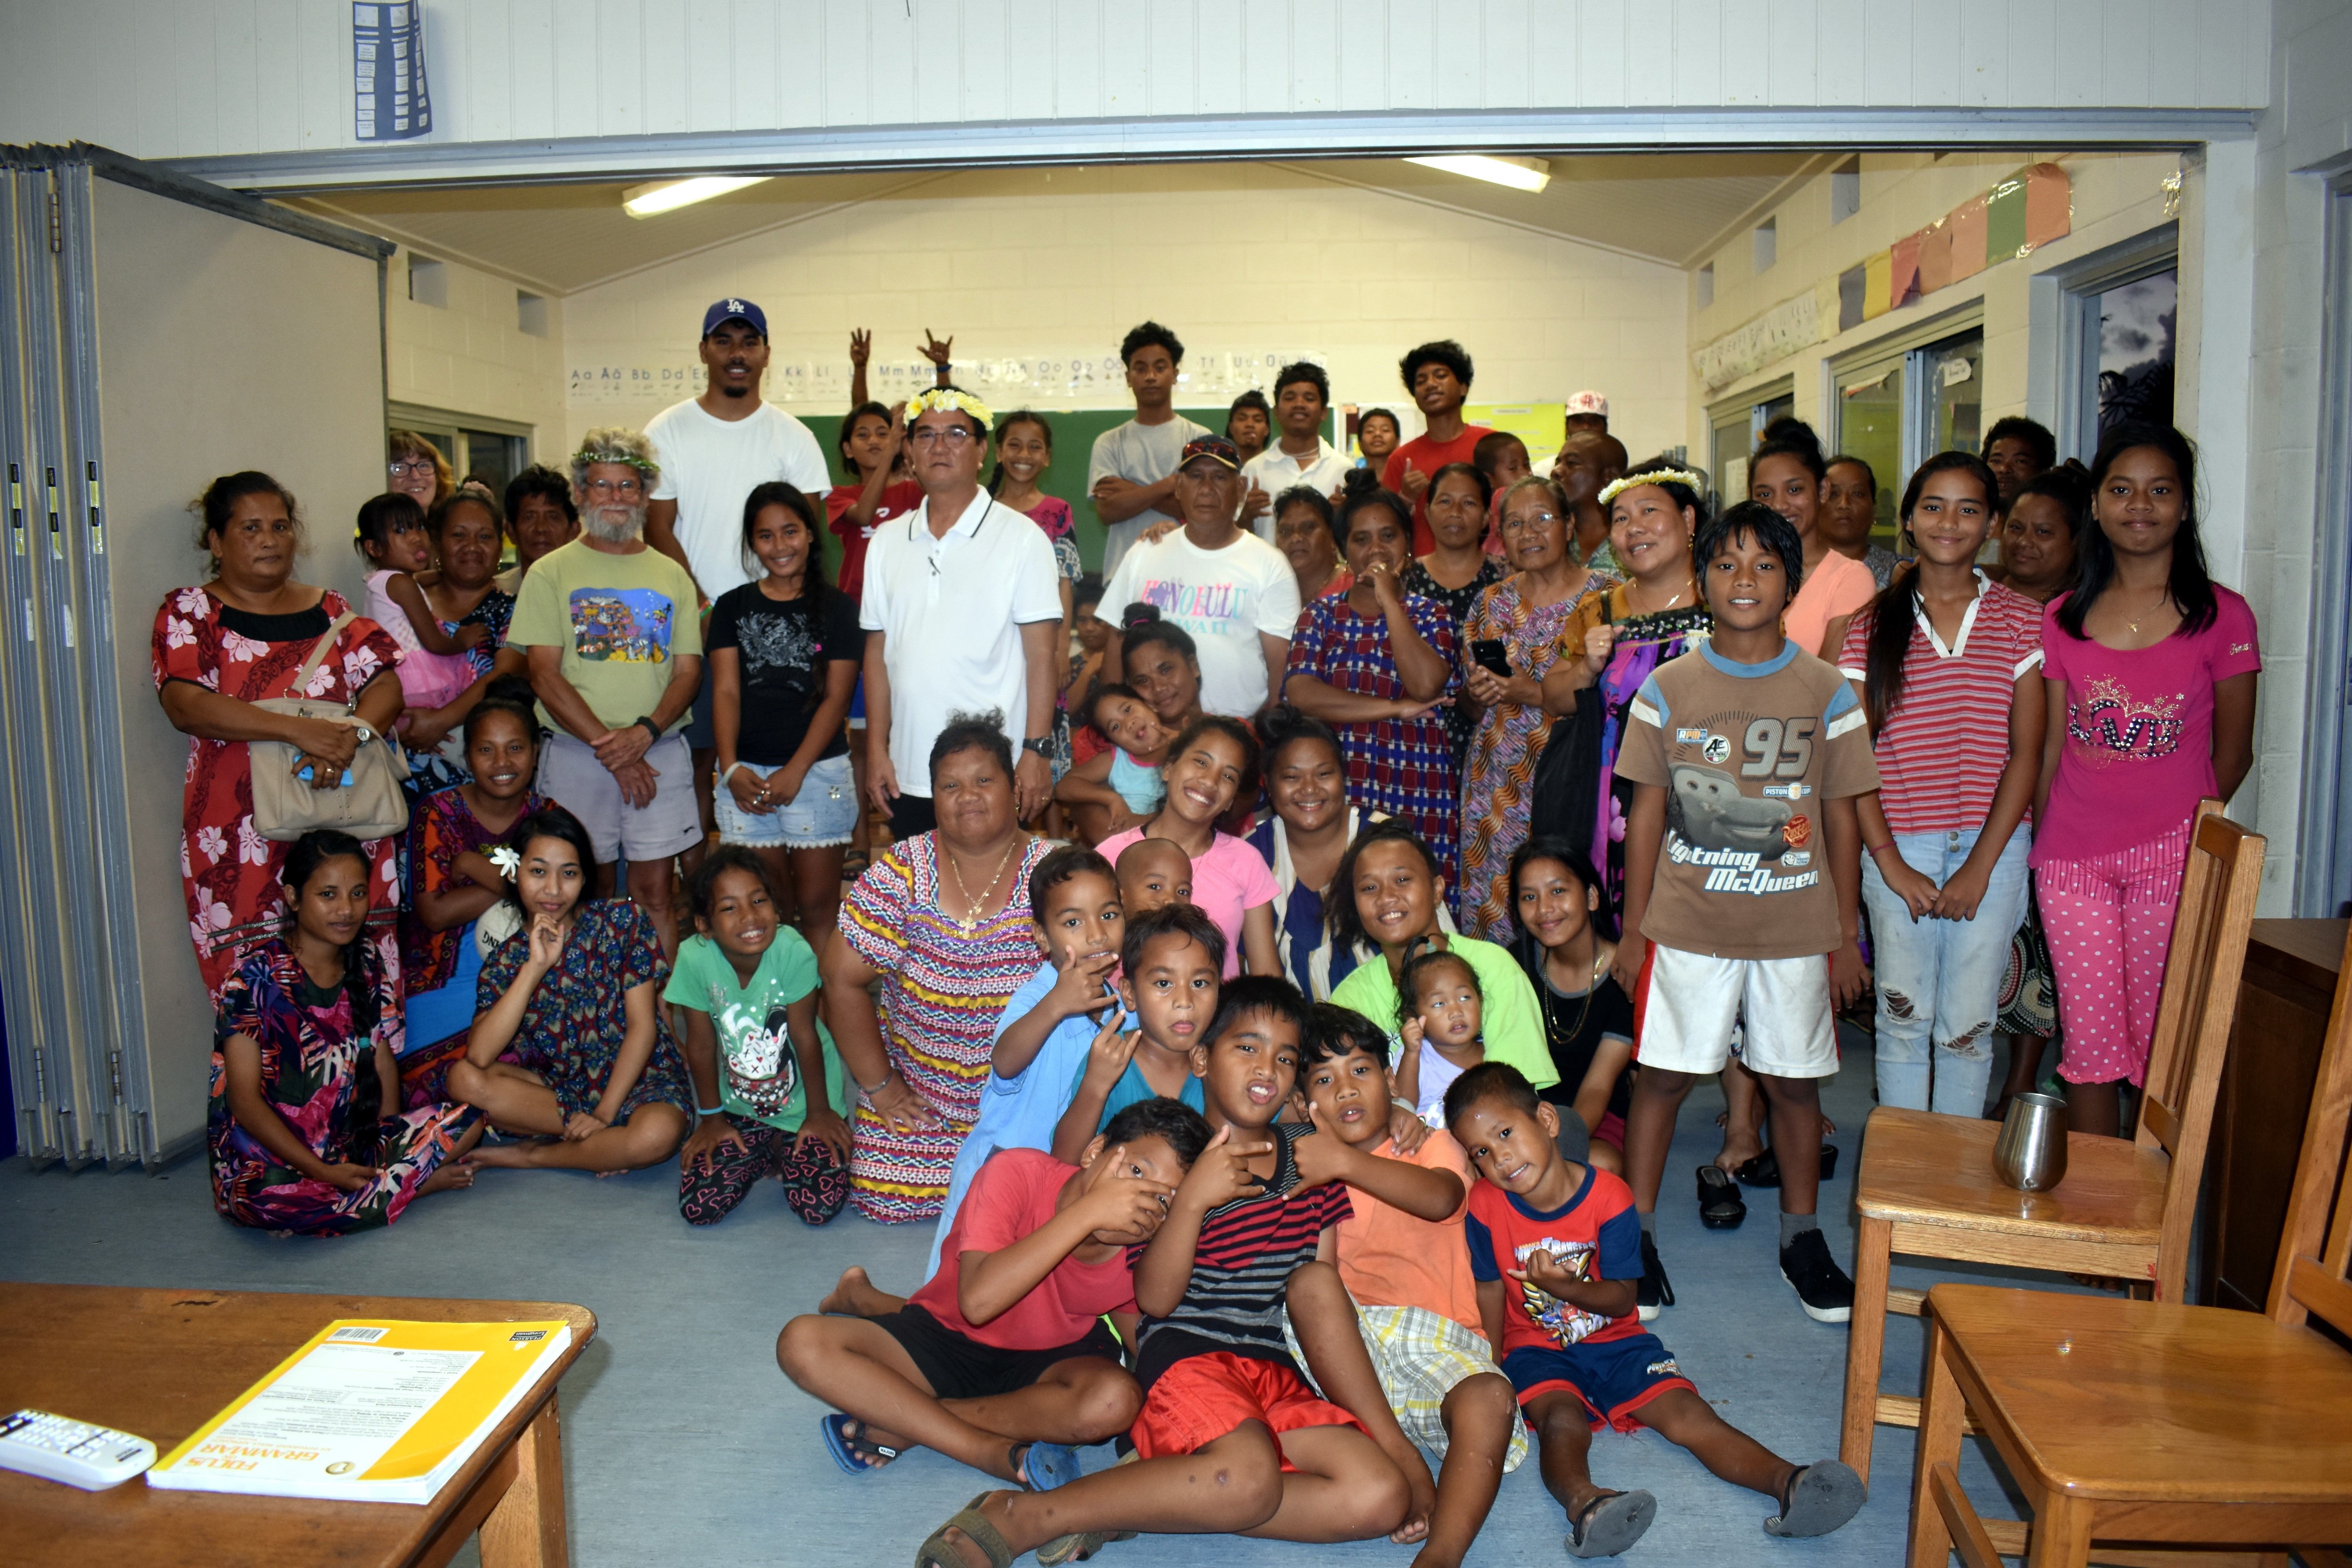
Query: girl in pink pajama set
[{"x": 2151, "y": 669}]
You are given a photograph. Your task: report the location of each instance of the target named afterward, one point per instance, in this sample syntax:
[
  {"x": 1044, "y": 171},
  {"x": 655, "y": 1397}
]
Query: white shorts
[{"x": 1687, "y": 1004}]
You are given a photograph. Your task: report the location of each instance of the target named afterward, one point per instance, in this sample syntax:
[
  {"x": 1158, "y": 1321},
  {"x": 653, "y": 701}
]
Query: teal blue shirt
[{"x": 1133, "y": 1089}]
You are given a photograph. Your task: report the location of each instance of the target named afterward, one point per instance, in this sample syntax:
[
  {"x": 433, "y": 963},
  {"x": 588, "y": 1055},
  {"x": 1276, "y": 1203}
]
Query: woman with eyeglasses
[
  {"x": 417, "y": 469},
  {"x": 1525, "y": 613}
]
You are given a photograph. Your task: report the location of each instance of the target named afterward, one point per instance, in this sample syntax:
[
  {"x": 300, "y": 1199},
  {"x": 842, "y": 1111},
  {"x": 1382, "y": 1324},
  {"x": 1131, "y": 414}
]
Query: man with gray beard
[{"x": 615, "y": 647}]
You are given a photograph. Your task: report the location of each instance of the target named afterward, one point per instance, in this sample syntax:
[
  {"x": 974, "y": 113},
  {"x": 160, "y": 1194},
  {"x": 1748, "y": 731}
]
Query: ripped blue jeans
[{"x": 1940, "y": 979}]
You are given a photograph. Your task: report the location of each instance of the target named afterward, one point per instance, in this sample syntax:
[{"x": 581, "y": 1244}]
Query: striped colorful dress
[
  {"x": 1403, "y": 767},
  {"x": 1499, "y": 774},
  {"x": 941, "y": 995}
]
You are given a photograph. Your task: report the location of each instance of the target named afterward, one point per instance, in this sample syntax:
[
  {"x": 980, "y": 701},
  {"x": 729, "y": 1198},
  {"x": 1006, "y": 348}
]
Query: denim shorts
[{"x": 824, "y": 813}]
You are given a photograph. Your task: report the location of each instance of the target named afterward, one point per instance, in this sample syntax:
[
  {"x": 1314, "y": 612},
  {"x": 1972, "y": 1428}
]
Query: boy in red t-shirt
[
  {"x": 1403, "y": 1259},
  {"x": 1000, "y": 1359},
  {"x": 1566, "y": 1238},
  {"x": 1231, "y": 1438}
]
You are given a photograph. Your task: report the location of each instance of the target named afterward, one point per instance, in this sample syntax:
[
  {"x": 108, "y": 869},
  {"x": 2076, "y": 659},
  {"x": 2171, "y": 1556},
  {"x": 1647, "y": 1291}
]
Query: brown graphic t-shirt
[{"x": 1746, "y": 752}]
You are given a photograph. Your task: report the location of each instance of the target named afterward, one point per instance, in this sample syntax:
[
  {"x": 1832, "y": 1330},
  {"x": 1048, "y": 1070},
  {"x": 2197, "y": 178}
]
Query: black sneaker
[
  {"x": 1820, "y": 1285},
  {"x": 1656, "y": 1291}
]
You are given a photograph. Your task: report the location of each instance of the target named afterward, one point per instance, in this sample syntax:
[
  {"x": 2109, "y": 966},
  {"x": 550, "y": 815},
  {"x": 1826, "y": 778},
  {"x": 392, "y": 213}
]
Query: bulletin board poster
[
  {"x": 389, "y": 97},
  {"x": 1540, "y": 424}
]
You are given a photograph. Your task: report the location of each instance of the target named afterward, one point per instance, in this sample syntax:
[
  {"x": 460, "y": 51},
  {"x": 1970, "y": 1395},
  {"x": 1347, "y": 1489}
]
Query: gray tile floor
[{"x": 683, "y": 1442}]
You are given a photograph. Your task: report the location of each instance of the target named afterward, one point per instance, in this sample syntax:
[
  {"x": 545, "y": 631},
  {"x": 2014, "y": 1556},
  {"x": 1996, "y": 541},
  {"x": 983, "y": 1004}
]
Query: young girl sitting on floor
[
  {"x": 1116, "y": 788},
  {"x": 391, "y": 539},
  {"x": 1568, "y": 936},
  {"x": 1208, "y": 767},
  {"x": 1439, "y": 1008},
  {"x": 574, "y": 991},
  {"x": 456, "y": 882},
  {"x": 766, "y": 1077},
  {"x": 304, "y": 1134}
]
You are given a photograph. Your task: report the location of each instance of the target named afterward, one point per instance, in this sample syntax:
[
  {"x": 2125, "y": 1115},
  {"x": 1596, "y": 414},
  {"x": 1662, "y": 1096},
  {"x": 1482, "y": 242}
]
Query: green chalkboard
[{"x": 1074, "y": 442}]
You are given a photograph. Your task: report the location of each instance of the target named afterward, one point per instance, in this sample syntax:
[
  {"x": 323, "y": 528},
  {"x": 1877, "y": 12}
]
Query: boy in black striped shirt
[{"x": 1232, "y": 1437}]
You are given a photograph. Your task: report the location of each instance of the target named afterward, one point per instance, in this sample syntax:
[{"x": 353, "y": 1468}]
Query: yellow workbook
[{"x": 372, "y": 1410}]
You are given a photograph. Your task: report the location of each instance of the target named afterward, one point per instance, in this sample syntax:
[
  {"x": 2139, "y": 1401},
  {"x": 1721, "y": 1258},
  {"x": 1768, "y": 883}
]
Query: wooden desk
[
  {"x": 160, "y": 1363},
  {"x": 2282, "y": 1003}
]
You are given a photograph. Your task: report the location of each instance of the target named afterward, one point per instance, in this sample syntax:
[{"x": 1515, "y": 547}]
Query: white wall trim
[{"x": 1191, "y": 139}]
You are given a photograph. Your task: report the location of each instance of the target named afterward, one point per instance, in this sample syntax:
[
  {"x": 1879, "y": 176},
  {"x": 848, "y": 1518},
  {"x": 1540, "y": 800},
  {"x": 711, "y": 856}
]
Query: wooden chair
[
  {"x": 2152, "y": 1422},
  {"x": 1927, "y": 1186}
]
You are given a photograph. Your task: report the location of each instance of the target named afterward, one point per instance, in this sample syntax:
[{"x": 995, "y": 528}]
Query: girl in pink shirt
[
  {"x": 1208, "y": 767},
  {"x": 1786, "y": 475},
  {"x": 2150, "y": 669}
]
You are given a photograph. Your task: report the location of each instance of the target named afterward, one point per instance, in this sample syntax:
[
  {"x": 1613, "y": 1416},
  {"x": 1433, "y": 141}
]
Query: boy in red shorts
[
  {"x": 1231, "y": 1438},
  {"x": 1002, "y": 1360},
  {"x": 1556, "y": 1249}
]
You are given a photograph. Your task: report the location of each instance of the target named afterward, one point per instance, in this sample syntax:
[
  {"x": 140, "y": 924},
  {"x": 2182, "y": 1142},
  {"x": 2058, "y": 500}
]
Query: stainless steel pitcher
[{"x": 2031, "y": 1152}]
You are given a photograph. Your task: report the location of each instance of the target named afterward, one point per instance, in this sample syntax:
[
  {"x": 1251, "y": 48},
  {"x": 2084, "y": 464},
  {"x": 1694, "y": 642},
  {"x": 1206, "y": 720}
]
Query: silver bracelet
[{"x": 870, "y": 1093}]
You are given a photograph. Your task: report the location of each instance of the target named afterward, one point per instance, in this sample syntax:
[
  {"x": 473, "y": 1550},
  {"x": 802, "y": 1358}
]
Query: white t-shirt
[
  {"x": 1141, "y": 455},
  {"x": 1224, "y": 598},
  {"x": 1275, "y": 470},
  {"x": 709, "y": 466},
  {"x": 951, "y": 612}
]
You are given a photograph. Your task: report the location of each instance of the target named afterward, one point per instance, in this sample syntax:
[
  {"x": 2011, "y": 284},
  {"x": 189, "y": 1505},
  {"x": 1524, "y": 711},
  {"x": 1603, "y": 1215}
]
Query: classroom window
[
  {"x": 1706, "y": 286},
  {"x": 530, "y": 312},
  {"x": 1767, "y": 244},
  {"x": 1845, "y": 191},
  {"x": 2134, "y": 324},
  {"x": 428, "y": 282},
  {"x": 1734, "y": 429},
  {"x": 1897, "y": 405}
]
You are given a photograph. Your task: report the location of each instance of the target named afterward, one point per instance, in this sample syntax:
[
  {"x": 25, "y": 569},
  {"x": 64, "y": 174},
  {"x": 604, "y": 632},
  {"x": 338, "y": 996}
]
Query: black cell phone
[{"x": 1488, "y": 653}]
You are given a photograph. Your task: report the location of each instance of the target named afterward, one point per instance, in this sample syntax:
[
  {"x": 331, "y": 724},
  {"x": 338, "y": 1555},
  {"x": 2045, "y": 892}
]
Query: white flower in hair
[{"x": 507, "y": 860}]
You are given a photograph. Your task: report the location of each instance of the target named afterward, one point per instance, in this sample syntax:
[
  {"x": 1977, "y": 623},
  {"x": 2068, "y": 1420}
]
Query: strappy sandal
[
  {"x": 938, "y": 1551},
  {"x": 845, "y": 1440},
  {"x": 1611, "y": 1523}
]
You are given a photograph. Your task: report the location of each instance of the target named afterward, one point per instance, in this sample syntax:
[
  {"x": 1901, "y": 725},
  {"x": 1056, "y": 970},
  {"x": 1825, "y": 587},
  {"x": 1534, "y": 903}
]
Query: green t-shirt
[
  {"x": 621, "y": 620},
  {"x": 759, "y": 1074},
  {"x": 1510, "y": 1020}
]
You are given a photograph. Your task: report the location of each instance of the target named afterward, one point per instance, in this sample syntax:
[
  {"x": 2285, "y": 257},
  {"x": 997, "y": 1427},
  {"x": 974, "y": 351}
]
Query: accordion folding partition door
[{"x": 154, "y": 332}]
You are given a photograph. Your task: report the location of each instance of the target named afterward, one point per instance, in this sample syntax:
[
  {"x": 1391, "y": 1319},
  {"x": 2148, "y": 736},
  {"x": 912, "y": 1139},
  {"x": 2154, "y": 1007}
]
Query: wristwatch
[
  {"x": 363, "y": 733},
  {"x": 1037, "y": 743},
  {"x": 650, "y": 727}
]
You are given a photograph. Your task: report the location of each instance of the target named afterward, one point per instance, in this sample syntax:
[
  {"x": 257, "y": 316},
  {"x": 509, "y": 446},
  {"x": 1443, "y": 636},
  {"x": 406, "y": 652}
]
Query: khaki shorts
[{"x": 668, "y": 825}]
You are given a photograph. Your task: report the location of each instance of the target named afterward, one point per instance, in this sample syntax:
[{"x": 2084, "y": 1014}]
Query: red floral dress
[{"x": 227, "y": 869}]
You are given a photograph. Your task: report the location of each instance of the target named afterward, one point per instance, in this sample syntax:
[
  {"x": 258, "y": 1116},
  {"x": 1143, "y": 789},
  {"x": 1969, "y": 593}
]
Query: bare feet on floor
[{"x": 456, "y": 1174}]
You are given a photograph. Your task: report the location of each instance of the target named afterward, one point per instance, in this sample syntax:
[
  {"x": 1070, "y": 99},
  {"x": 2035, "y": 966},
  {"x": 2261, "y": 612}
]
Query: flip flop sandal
[
  {"x": 845, "y": 1440},
  {"x": 1044, "y": 1466},
  {"x": 1721, "y": 1206},
  {"x": 938, "y": 1551},
  {"x": 854, "y": 864},
  {"x": 1821, "y": 1497},
  {"x": 1611, "y": 1523}
]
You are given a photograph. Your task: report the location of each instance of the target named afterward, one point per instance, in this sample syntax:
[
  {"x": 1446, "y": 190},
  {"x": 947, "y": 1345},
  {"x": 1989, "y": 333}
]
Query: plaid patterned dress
[
  {"x": 1403, "y": 767},
  {"x": 942, "y": 993}
]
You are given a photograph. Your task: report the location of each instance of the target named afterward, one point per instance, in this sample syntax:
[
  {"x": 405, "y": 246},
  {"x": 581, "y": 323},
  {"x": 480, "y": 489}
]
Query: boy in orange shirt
[{"x": 1416, "y": 1303}]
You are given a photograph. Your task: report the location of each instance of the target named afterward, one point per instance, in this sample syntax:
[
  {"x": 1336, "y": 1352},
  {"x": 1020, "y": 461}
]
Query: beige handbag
[{"x": 285, "y": 807}]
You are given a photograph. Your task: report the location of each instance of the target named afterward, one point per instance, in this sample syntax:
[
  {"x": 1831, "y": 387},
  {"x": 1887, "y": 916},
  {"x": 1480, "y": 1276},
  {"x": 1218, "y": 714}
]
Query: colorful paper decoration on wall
[{"x": 2019, "y": 216}]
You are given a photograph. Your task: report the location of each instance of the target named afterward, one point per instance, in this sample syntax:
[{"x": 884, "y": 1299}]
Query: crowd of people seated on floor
[{"x": 1400, "y": 829}]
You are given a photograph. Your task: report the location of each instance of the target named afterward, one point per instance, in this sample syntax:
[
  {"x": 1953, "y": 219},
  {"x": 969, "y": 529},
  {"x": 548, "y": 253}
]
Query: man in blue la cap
[{"x": 714, "y": 449}]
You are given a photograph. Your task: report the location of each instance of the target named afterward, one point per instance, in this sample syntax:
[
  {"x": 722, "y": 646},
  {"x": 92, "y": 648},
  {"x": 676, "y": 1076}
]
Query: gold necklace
[
  {"x": 1662, "y": 609},
  {"x": 2160, "y": 599},
  {"x": 969, "y": 922}
]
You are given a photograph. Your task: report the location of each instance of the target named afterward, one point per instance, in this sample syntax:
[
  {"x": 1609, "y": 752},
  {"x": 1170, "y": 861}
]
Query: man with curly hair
[
  {"x": 1132, "y": 472},
  {"x": 1437, "y": 374},
  {"x": 610, "y": 627}
]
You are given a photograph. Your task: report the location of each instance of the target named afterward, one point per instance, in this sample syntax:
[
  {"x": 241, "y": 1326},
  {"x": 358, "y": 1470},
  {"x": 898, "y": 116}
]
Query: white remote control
[{"x": 58, "y": 1449}]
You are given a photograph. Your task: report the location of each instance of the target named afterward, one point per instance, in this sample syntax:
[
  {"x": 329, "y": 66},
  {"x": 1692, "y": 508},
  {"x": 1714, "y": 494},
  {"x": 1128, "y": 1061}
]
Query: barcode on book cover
[{"x": 364, "y": 1336}]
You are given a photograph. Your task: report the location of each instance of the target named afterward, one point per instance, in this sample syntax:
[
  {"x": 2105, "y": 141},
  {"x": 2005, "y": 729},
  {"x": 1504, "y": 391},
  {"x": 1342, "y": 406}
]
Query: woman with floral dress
[
  {"x": 1374, "y": 663},
  {"x": 942, "y": 922},
  {"x": 219, "y": 648},
  {"x": 1526, "y": 613},
  {"x": 304, "y": 1126},
  {"x": 598, "y": 1083}
]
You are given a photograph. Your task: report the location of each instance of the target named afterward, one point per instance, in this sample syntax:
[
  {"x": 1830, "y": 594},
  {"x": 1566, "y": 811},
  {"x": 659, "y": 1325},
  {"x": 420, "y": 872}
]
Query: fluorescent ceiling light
[
  {"x": 668, "y": 195},
  {"x": 1520, "y": 174}
]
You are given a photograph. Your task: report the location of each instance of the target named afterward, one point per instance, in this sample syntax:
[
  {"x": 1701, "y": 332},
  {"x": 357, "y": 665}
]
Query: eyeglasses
[
  {"x": 402, "y": 470},
  {"x": 601, "y": 489},
  {"x": 955, "y": 436},
  {"x": 1521, "y": 524}
]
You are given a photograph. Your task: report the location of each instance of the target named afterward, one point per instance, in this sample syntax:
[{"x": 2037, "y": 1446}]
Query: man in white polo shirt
[
  {"x": 962, "y": 608},
  {"x": 713, "y": 449},
  {"x": 1298, "y": 454},
  {"x": 1234, "y": 593}
]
